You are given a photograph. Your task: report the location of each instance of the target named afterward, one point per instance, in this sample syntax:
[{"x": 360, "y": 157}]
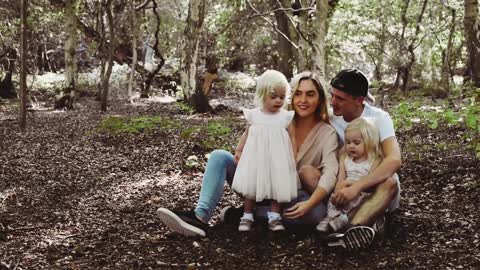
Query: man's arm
[{"x": 390, "y": 165}]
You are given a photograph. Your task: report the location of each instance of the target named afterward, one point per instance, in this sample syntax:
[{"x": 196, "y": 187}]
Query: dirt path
[{"x": 73, "y": 198}]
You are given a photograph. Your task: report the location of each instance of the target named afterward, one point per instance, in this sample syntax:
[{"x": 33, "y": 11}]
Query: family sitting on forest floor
[{"x": 288, "y": 163}]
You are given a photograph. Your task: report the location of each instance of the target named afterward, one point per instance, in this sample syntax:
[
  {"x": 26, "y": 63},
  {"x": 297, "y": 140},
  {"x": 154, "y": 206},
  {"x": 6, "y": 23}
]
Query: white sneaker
[
  {"x": 339, "y": 222},
  {"x": 323, "y": 225},
  {"x": 245, "y": 225},
  {"x": 276, "y": 225}
]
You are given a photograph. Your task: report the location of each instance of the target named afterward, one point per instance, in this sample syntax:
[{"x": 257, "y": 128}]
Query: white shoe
[
  {"x": 276, "y": 225},
  {"x": 323, "y": 225},
  {"x": 245, "y": 225},
  {"x": 339, "y": 222}
]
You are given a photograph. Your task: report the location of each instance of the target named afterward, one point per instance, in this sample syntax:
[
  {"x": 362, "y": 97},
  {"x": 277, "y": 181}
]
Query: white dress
[
  {"x": 266, "y": 169},
  {"x": 353, "y": 171}
]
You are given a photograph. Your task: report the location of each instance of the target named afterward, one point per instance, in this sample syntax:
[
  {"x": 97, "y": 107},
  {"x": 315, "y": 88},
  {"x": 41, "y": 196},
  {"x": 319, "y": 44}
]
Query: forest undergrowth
[{"x": 80, "y": 188}]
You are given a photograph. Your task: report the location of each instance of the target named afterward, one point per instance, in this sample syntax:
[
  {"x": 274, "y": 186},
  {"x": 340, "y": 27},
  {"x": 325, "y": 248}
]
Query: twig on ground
[{"x": 25, "y": 228}]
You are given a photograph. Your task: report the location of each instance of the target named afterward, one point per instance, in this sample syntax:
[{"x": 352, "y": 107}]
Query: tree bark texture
[
  {"x": 447, "y": 53},
  {"x": 7, "y": 90},
  {"x": 285, "y": 48},
  {"x": 405, "y": 65},
  {"x": 135, "y": 31},
  {"x": 109, "y": 62},
  {"x": 23, "y": 67},
  {"x": 188, "y": 73},
  {"x": 320, "y": 33},
  {"x": 150, "y": 74},
  {"x": 471, "y": 23},
  {"x": 67, "y": 97}
]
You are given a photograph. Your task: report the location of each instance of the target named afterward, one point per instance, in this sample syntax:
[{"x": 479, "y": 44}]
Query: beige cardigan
[{"x": 319, "y": 149}]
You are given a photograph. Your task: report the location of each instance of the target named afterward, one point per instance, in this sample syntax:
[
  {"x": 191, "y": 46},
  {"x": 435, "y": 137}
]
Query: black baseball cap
[{"x": 351, "y": 81}]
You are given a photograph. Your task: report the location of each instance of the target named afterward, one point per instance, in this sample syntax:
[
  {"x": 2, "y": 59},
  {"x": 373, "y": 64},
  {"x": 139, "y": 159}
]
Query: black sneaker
[
  {"x": 231, "y": 215},
  {"x": 183, "y": 222}
]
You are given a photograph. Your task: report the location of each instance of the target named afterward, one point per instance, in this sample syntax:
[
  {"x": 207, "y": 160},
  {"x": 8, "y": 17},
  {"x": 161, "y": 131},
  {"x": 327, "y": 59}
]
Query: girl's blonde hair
[
  {"x": 321, "y": 113},
  {"x": 370, "y": 135},
  {"x": 267, "y": 83}
]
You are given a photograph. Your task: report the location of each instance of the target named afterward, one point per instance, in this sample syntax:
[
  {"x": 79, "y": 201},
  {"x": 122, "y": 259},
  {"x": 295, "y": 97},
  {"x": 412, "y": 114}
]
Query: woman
[{"x": 317, "y": 166}]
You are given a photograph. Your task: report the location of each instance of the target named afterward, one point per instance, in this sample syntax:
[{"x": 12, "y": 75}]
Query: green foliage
[
  {"x": 214, "y": 134},
  {"x": 218, "y": 135},
  {"x": 118, "y": 125},
  {"x": 408, "y": 113},
  {"x": 186, "y": 108}
]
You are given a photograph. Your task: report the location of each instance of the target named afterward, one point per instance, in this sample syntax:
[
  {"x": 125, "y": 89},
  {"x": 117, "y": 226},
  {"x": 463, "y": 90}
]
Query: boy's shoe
[
  {"x": 182, "y": 222},
  {"x": 323, "y": 225},
  {"x": 355, "y": 238},
  {"x": 245, "y": 225},
  {"x": 276, "y": 225},
  {"x": 339, "y": 222},
  {"x": 231, "y": 215}
]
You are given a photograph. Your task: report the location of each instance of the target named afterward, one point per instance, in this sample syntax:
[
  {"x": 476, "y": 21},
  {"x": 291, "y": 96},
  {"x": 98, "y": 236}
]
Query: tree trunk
[
  {"x": 411, "y": 48},
  {"x": 471, "y": 23},
  {"x": 302, "y": 27},
  {"x": 285, "y": 49},
  {"x": 150, "y": 74},
  {"x": 40, "y": 59},
  {"x": 446, "y": 60},
  {"x": 7, "y": 90},
  {"x": 402, "y": 61},
  {"x": 188, "y": 73},
  {"x": 135, "y": 31},
  {"x": 109, "y": 62},
  {"x": 211, "y": 73},
  {"x": 23, "y": 67},
  {"x": 66, "y": 98},
  {"x": 382, "y": 40},
  {"x": 319, "y": 31}
]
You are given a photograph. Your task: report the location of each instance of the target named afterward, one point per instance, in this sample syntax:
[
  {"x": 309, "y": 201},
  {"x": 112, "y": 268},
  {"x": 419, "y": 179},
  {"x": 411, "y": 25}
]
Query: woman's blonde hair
[
  {"x": 267, "y": 83},
  {"x": 371, "y": 137},
  {"x": 321, "y": 113}
]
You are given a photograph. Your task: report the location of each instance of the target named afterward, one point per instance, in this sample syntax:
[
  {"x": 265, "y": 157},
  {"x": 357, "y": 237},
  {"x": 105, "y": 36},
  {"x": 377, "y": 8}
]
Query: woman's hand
[{"x": 297, "y": 211}]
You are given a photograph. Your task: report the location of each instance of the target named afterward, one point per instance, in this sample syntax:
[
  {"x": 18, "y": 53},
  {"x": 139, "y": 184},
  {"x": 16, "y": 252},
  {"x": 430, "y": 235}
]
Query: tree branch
[
  {"x": 272, "y": 24},
  {"x": 142, "y": 5}
]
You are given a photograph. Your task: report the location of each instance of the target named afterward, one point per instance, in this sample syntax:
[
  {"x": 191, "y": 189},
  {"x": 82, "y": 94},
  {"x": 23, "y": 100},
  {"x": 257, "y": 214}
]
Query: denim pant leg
[
  {"x": 220, "y": 168},
  {"x": 313, "y": 217}
]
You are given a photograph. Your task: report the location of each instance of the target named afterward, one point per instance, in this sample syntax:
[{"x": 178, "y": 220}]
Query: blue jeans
[{"x": 220, "y": 169}]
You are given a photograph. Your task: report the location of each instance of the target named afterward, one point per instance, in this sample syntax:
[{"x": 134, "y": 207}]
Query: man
[{"x": 349, "y": 93}]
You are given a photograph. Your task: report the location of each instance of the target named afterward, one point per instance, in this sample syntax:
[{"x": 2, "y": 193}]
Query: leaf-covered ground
[{"x": 75, "y": 197}]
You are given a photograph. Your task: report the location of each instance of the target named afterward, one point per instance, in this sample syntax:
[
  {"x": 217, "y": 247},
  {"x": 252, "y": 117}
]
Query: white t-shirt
[{"x": 379, "y": 117}]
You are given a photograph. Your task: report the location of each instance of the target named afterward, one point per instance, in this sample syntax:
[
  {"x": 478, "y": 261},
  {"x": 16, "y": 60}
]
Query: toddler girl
[
  {"x": 265, "y": 154},
  {"x": 360, "y": 155}
]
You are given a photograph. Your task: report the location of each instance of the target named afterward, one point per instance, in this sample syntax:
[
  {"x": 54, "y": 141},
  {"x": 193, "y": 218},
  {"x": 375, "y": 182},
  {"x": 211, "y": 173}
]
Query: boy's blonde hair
[
  {"x": 267, "y": 82},
  {"x": 370, "y": 135}
]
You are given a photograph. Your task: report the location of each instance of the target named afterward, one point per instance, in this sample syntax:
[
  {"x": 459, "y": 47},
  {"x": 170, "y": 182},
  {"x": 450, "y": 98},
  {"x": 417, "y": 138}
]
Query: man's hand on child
[{"x": 343, "y": 184}]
